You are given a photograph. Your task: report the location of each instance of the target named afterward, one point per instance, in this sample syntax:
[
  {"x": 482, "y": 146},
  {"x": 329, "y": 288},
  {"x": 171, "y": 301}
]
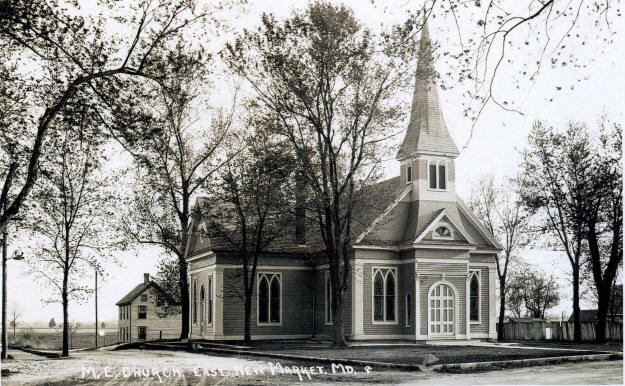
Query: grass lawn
[
  {"x": 416, "y": 354},
  {"x": 608, "y": 346}
]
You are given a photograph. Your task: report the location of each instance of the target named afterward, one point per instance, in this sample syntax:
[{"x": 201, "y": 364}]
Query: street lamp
[{"x": 16, "y": 256}]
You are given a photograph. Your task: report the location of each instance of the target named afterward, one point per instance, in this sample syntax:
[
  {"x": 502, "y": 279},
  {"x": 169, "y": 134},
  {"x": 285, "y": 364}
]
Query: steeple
[{"x": 427, "y": 132}]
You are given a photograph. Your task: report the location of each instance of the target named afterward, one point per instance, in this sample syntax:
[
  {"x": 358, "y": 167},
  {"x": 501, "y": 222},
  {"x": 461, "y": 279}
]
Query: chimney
[{"x": 146, "y": 278}]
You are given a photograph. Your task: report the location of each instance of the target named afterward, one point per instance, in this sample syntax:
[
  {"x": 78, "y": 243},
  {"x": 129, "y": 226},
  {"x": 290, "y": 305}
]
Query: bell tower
[{"x": 427, "y": 153}]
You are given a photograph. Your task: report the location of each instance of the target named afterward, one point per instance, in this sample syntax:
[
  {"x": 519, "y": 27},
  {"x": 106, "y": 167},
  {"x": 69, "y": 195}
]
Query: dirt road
[{"x": 131, "y": 367}]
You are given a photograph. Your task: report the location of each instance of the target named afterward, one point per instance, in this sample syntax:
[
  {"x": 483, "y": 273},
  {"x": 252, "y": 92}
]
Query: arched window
[
  {"x": 442, "y": 232},
  {"x": 475, "y": 297},
  {"x": 209, "y": 311},
  {"x": 202, "y": 304},
  {"x": 263, "y": 300},
  {"x": 384, "y": 295},
  {"x": 269, "y": 297},
  {"x": 441, "y": 310},
  {"x": 194, "y": 302},
  {"x": 274, "y": 295}
]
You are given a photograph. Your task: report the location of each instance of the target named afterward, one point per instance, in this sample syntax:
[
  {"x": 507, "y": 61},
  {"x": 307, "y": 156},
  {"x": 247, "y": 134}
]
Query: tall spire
[{"x": 427, "y": 132}]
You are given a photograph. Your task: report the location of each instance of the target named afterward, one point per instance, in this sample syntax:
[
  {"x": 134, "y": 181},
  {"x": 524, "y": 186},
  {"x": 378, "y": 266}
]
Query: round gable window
[{"x": 442, "y": 232}]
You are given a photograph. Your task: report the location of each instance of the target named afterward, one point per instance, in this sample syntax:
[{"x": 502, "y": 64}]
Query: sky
[{"x": 494, "y": 148}]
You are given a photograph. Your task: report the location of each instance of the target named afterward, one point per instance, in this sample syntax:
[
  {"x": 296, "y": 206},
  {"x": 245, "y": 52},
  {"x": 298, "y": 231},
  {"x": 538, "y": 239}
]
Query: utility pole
[
  {"x": 5, "y": 258},
  {"x": 4, "y": 295},
  {"x": 96, "y": 308}
]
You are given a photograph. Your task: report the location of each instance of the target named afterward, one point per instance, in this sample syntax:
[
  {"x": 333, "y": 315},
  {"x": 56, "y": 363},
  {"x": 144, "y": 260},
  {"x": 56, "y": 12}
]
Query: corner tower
[{"x": 427, "y": 152}]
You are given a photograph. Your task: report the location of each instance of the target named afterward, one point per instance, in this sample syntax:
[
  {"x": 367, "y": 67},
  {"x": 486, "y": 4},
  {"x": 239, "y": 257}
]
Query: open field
[{"x": 52, "y": 338}]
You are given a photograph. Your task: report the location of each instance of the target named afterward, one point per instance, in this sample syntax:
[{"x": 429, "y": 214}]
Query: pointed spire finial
[{"x": 427, "y": 132}]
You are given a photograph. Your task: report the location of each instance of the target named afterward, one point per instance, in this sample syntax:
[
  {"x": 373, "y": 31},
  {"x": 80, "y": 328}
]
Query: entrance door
[{"x": 442, "y": 311}]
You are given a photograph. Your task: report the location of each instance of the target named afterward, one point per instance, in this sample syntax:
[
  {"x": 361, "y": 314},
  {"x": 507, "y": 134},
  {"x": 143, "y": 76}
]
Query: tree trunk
[
  {"x": 184, "y": 298},
  {"x": 502, "y": 309},
  {"x": 65, "y": 351},
  {"x": 577, "y": 323},
  {"x": 337, "y": 319},
  {"x": 247, "y": 335},
  {"x": 604, "y": 293}
]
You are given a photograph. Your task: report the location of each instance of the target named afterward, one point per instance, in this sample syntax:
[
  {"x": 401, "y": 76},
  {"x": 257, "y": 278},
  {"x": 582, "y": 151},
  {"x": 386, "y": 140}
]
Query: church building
[{"x": 423, "y": 265}]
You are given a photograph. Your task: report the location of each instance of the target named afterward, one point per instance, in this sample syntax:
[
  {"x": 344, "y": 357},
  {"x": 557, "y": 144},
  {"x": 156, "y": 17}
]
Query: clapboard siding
[
  {"x": 482, "y": 258},
  {"x": 406, "y": 285},
  {"x": 201, "y": 327},
  {"x": 296, "y": 304},
  {"x": 441, "y": 254},
  {"x": 202, "y": 262},
  {"x": 484, "y": 291},
  {"x": 321, "y": 329},
  {"x": 426, "y": 282},
  {"x": 157, "y": 325},
  {"x": 424, "y": 268}
]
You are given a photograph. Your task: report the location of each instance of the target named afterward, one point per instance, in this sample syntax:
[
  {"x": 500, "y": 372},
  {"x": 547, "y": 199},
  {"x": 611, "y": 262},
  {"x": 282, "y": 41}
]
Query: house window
[
  {"x": 408, "y": 309},
  {"x": 442, "y": 232},
  {"x": 144, "y": 298},
  {"x": 209, "y": 311},
  {"x": 143, "y": 310},
  {"x": 475, "y": 297},
  {"x": 328, "y": 303},
  {"x": 437, "y": 175},
  {"x": 441, "y": 299},
  {"x": 142, "y": 332},
  {"x": 409, "y": 173},
  {"x": 384, "y": 290},
  {"x": 194, "y": 302},
  {"x": 269, "y": 295}
]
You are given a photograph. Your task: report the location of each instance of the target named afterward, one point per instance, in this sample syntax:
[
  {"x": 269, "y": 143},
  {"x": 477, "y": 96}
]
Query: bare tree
[
  {"x": 252, "y": 206},
  {"x": 87, "y": 61},
  {"x": 71, "y": 215},
  {"x": 176, "y": 164},
  {"x": 603, "y": 217},
  {"x": 538, "y": 291},
  {"x": 503, "y": 214},
  {"x": 554, "y": 174},
  {"x": 324, "y": 79},
  {"x": 15, "y": 316}
]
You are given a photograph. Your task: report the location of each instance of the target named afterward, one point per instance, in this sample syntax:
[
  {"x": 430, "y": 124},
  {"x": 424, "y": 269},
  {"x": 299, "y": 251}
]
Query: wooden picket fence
[{"x": 559, "y": 331}]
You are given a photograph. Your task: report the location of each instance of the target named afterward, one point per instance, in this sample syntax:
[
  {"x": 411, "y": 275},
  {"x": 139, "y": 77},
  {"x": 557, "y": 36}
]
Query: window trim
[
  {"x": 456, "y": 309},
  {"x": 443, "y": 225},
  {"x": 210, "y": 304},
  {"x": 194, "y": 313},
  {"x": 145, "y": 335},
  {"x": 139, "y": 311},
  {"x": 476, "y": 273},
  {"x": 408, "y": 172},
  {"x": 437, "y": 163},
  {"x": 328, "y": 321},
  {"x": 408, "y": 305},
  {"x": 393, "y": 271},
  {"x": 269, "y": 275},
  {"x": 144, "y": 298}
]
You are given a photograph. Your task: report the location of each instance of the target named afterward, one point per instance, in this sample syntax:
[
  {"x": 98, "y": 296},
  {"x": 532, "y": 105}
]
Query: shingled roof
[
  {"x": 398, "y": 221},
  {"x": 427, "y": 132}
]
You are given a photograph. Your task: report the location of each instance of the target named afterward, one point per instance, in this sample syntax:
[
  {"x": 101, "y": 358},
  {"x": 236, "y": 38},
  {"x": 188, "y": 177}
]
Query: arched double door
[{"x": 442, "y": 303}]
